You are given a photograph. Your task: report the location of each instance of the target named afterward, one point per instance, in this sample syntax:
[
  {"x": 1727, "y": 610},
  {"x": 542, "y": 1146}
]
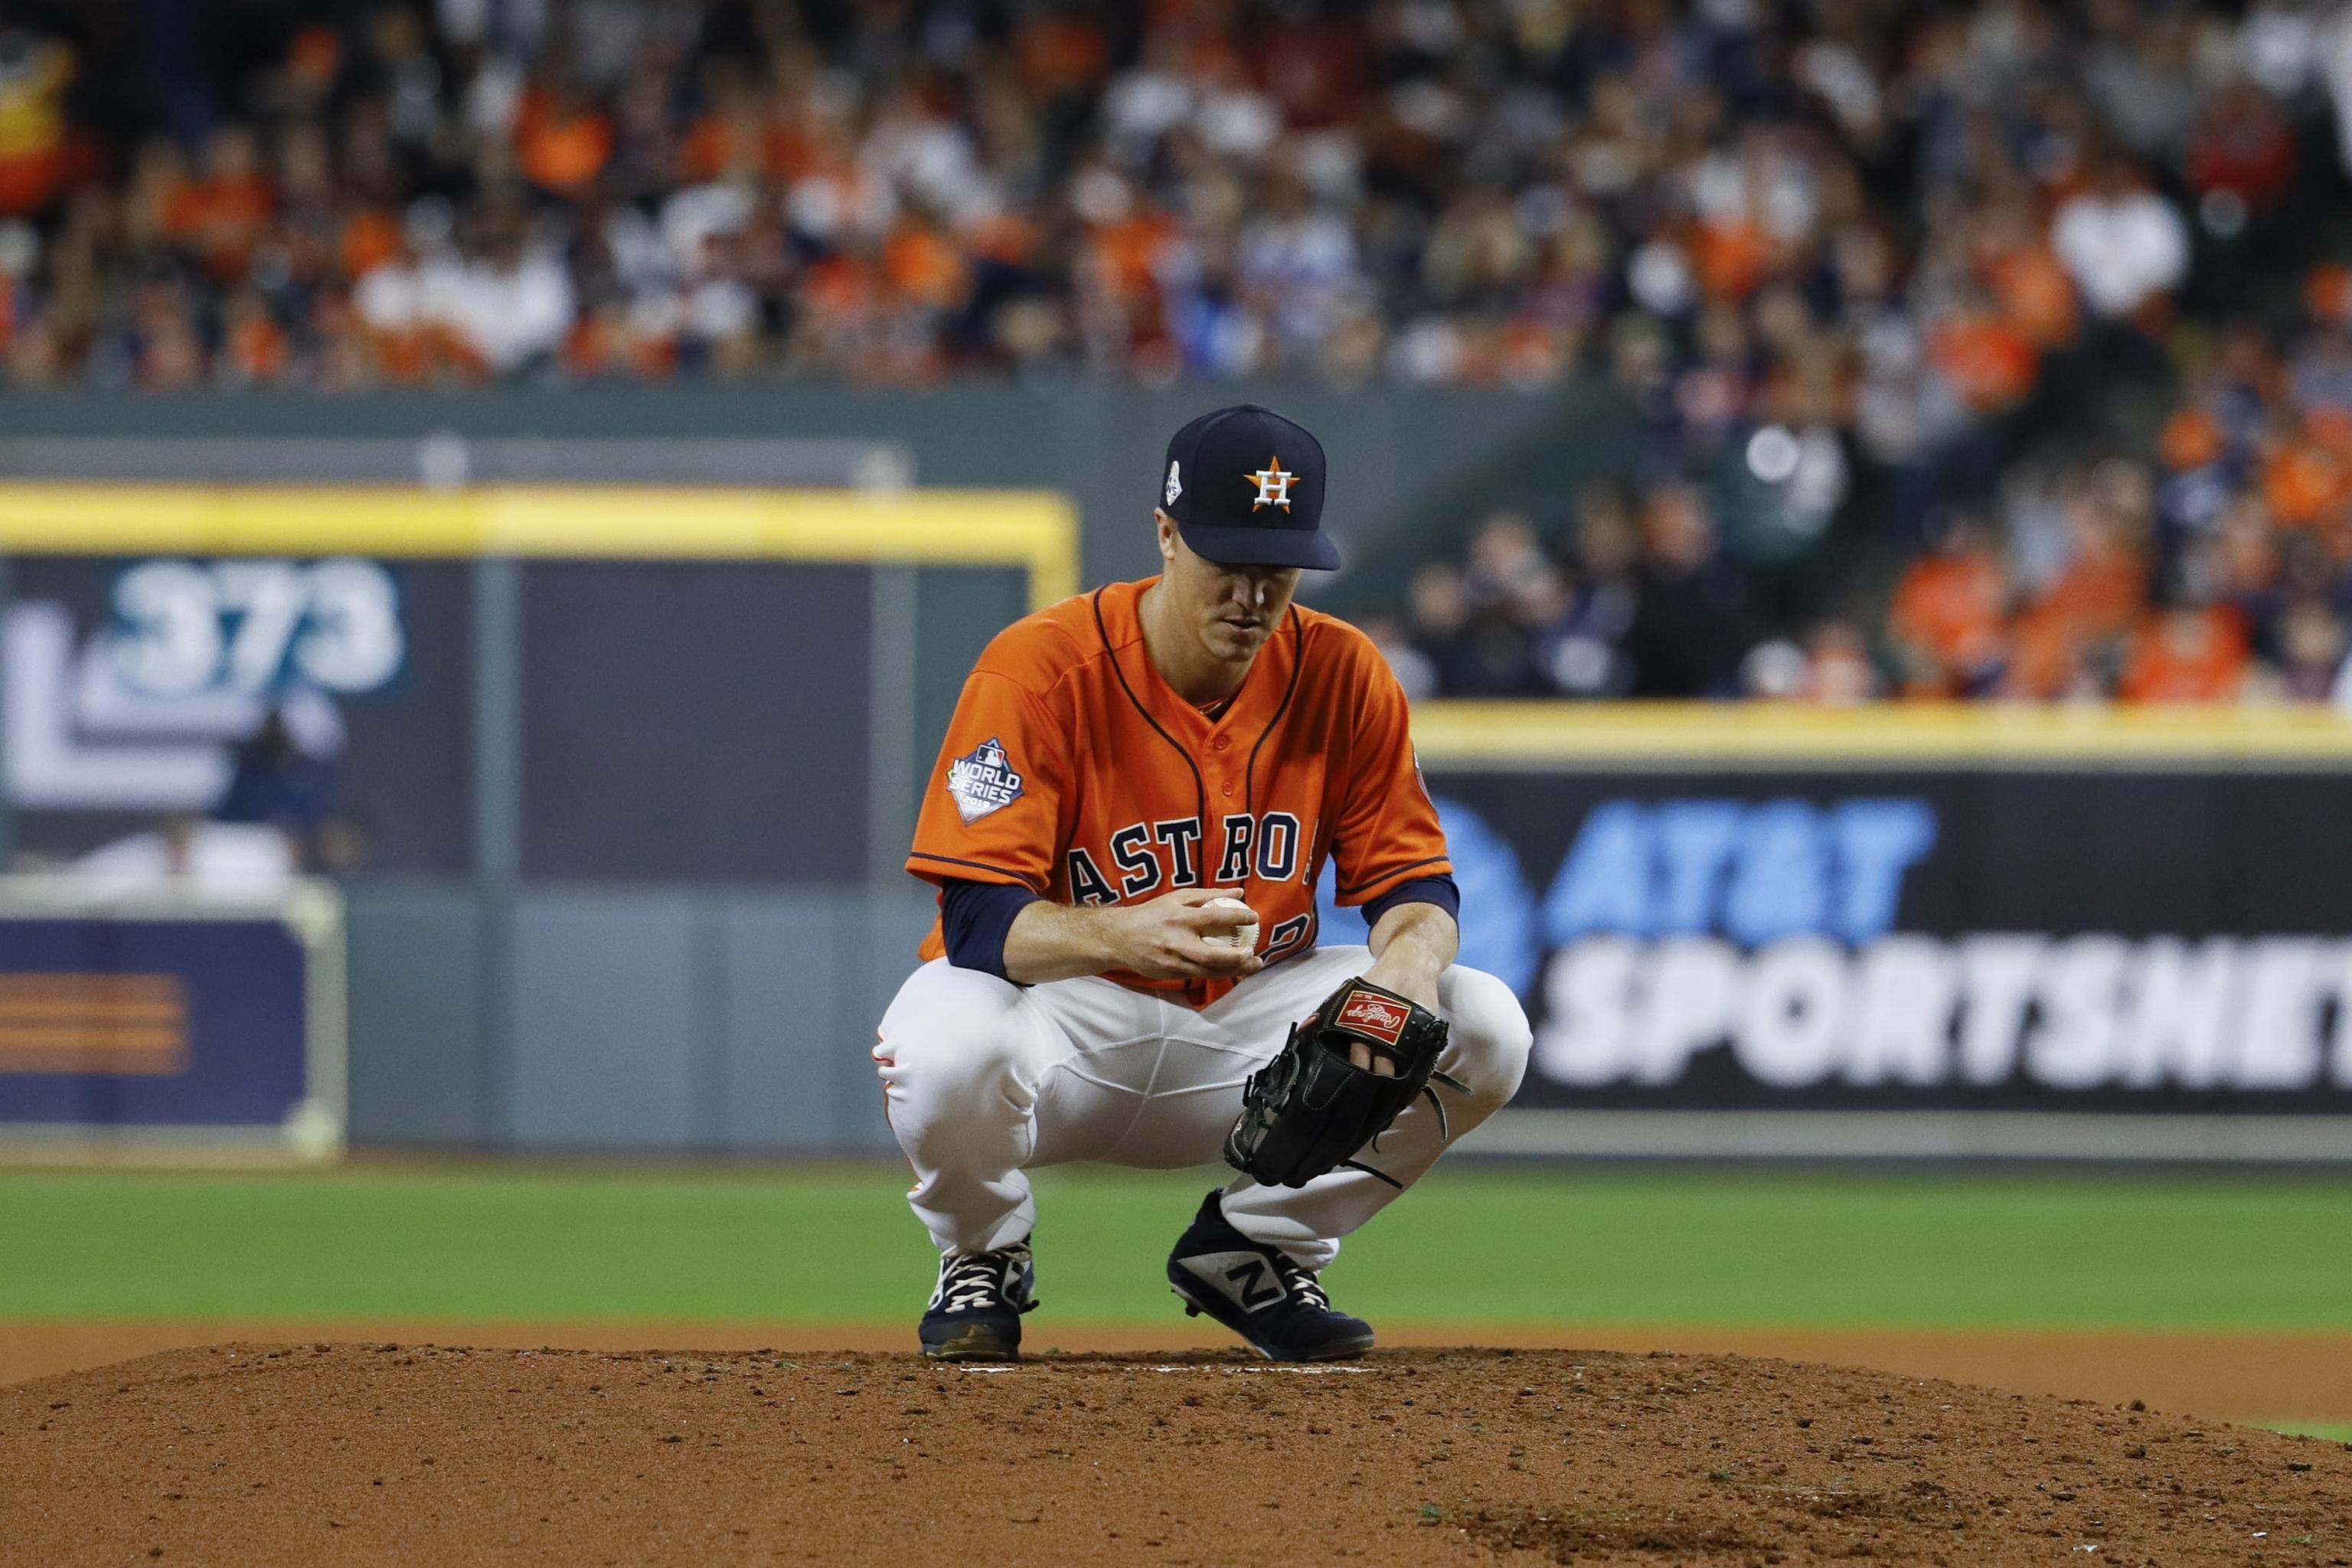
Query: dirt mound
[{"x": 367, "y": 1454}]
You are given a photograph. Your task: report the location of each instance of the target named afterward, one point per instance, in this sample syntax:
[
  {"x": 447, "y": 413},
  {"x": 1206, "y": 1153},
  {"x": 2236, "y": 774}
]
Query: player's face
[{"x": 1231, "y": 609}]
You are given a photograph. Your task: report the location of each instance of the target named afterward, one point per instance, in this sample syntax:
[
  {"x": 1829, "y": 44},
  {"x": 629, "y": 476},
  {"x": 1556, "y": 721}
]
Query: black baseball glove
[{"x": 1310, "y": 1108}]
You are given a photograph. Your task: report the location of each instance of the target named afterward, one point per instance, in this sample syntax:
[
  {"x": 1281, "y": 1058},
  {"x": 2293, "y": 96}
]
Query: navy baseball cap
[{"x": 1245, "y": 488}]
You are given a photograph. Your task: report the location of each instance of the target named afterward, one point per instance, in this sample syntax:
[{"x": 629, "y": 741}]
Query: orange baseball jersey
[{"x": 1072, "y": 768}]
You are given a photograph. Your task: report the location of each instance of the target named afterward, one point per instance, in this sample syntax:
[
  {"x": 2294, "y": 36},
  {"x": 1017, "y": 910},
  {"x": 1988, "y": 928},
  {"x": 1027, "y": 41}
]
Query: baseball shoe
[
  {"x": 1259, "y": 1293},
  {"x": 975, "y": 1309}
]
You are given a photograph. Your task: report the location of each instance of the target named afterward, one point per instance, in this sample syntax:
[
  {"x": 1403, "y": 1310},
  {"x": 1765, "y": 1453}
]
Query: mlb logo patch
[
  {"x": 1377, "y": 1017},
  {"x": 983, "y": 780}
]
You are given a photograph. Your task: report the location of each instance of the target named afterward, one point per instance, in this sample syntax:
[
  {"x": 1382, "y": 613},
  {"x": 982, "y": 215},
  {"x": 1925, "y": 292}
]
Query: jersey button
[
  {"x": 1221, "y": 743},
  {"x": 1229, "y": 792}
]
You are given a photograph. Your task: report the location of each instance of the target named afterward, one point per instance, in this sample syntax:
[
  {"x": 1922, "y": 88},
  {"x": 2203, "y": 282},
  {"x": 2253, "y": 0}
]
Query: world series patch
[{"x": 983, "y": 780}]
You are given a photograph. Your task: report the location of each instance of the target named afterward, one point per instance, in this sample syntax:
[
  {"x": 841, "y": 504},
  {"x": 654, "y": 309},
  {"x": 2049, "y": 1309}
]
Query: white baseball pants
[{"x": 984, "y": 1080}]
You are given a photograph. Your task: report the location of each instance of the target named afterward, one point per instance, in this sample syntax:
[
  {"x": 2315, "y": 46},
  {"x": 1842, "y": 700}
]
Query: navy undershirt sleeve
[
  {"x": 976, "y": 917},
  {"x": 1439, "y": 890}
]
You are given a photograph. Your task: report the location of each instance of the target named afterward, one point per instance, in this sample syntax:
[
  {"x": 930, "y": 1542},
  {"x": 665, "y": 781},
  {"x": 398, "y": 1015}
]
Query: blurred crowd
[
  {"x": 1903, "y": 293},
  {"x": 2100, "y": 580},
  {"x": 2210, "y": 562},
  {"x": 1868, "y": 213}
]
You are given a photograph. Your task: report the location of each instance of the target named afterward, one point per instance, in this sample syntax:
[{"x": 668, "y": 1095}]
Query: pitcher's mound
[{"x": 410, "y": 1454}]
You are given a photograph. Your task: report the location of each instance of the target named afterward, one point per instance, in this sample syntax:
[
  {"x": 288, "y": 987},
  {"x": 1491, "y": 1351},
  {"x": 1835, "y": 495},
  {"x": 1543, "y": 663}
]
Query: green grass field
[{"x": 1488, "y": 1247}]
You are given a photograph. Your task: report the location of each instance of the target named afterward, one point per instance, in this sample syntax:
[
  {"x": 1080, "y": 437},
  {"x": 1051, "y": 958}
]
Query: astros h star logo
[{"x": 1273, "y": 483}]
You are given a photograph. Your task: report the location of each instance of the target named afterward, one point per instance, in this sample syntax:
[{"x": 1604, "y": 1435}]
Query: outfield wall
[
  {"x": 626, "y": 1017},
  {"x": 2102, "y": 950},
  {"x": 1897, "y": 935},
  {"x": 637, "y": 757}
]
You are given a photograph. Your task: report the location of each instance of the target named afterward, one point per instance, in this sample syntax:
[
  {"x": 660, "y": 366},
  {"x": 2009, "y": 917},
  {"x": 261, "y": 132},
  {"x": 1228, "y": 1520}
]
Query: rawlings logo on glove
[
  {"x": 1369, "y": 1014},
  {"x": 1313, "y": 1107}
]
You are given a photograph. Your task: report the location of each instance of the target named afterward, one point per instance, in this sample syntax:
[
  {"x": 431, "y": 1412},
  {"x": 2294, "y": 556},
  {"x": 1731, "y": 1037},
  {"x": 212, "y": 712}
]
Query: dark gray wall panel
[
  {"x": 605, "y": 1020},
  {"x": 808, "y": 975},
  {"x": 703, "y": 720},
  {"x": 786, "y": 1033},
  {"x": 417, "y": 1041}
]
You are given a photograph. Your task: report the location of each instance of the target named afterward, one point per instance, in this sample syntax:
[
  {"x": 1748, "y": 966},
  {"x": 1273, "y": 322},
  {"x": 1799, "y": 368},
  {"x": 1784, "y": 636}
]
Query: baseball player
[{"x": 1125, "y": 772}]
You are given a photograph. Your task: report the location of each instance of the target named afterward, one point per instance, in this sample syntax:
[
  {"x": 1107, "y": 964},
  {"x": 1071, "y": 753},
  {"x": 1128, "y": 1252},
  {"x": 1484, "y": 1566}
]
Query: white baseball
[{"x": 1243, "y": 935}]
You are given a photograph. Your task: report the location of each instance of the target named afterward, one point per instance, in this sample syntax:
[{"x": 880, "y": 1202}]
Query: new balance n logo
[{"x": 1241, "y": 1278}]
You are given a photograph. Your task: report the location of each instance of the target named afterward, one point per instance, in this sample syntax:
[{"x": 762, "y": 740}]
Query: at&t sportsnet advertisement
[{"x": 2075, "y": 940}]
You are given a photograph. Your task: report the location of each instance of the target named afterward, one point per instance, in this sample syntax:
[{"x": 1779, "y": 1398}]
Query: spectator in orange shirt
[
  {"x": 1948, "y": 618},
  {"x": 2303, "y": 476},
  {"x": 562, "y": 142},
  {"x": 369, "y": 240},
  {"x": 2191, "y": 653},
  {"x": 1989, "y": 362},
  {"x": 2191, "y": 438},
  {"x": 1730, "y": 256},
  {"x": 2067, "y": 638},
  {"x": 254, "y": 346},
  {"x": 2103, "y": 587},
  {"x": 1128, "y": 247},
  {"x": 223, "y": 216},
  {"x": 2025, "y": 276},
  {"x": 922, "y": 268},
  {"x": 730, "y": 138},
  {"x": 1062, "y": 56}
]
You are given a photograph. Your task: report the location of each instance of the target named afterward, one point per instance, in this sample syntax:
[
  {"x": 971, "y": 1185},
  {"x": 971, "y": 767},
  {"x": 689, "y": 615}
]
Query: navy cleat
[
  {"x": 1260, "y": 1294},
  {"x": 975, "y": 1309}
]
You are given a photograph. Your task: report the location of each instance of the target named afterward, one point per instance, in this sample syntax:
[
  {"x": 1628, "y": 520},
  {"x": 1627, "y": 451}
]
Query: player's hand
[
  {"x": 1411, "y": 973},
  {"x": 1163, "y": 939}
]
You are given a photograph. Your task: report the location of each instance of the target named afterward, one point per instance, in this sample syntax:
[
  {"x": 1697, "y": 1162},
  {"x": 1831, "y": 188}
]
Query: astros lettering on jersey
[{"x": 1072, "y": 769}]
